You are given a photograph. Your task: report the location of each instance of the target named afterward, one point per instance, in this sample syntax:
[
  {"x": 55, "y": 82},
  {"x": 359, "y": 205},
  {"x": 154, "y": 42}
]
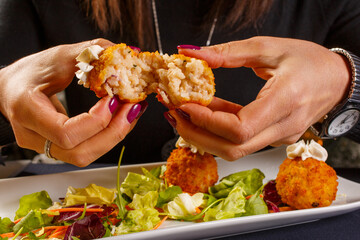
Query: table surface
[{"x": 346, "y": 226}]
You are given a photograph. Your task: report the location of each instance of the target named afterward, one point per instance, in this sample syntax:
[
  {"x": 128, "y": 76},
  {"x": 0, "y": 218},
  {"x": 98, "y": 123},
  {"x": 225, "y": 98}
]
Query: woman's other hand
[
  {"x": 304, "y": 82},
  {"x": 28, "y": 100}
]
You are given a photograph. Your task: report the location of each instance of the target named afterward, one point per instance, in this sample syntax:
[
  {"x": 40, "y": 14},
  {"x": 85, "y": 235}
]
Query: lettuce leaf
[
  {"x": 6, "y": 225},
  {"x": 168, "y": 195},
  {"x": 139, "y": 184},
  {"x": 37, "y": 200},
  {"x": 232, "y": 206},
  {"x": 143, "y": 217},
  {"x": 184, "y": 205},
  {"x": 33, "y": 220},
  {"x": 256, "y": 205},
  {"x": 149, "y": 200},
  {"x": 138, "y": 220},
  {"x": 159, "y": 171},
  {"x": 250, "y": 181},
  {"x": 91, "y": 194}
]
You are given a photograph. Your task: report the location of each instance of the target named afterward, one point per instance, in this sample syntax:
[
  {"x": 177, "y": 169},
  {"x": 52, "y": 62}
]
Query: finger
[
  {"x": 96, "y": 146},
  {"x": 239, "y": 127},
  {"x": 203, "y": 139},
  {"x": 220, "y": 123},
  {"x": 226, "y": 149},
  {"x": 62, "y": 130},
  {"x": 87, "y": 151},
  {"x": 58, "y": 105},
  {"x": 253, "y": 52},
  {"x": 218, "y": 104}
]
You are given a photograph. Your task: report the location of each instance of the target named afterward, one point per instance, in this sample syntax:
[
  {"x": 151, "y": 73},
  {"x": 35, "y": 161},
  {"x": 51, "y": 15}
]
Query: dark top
[{"x": 28, "y": 26}]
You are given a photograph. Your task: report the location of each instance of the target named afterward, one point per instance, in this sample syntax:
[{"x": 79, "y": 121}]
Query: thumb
[{"x": 253, "y": 53}]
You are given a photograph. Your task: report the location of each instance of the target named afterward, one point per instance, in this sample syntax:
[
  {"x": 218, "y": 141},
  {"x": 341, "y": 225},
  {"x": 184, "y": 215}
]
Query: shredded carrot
[
  {"x": 197, "y": 210},
  {"x": 114, "y": 220},
  {"x": 18, "y": 220},
  {"x": 283, "y": 209},
  {"x": 249, "y": 196},
  {"x": 47, "y": 228},
  {"x": 128, "y": 208},
  {"x": 161, "y": 222},
  {"x": 10, "y": 234},
  {"x": 58, "y": 232},
  {"x": 77, "y": 210}
]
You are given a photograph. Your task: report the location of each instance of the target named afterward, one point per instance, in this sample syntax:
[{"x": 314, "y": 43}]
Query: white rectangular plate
[{"x": 348, "y": 198}]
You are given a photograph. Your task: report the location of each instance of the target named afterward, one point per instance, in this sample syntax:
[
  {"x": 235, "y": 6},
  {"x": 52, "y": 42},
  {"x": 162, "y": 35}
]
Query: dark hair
[{"x": 111, "y": 15}]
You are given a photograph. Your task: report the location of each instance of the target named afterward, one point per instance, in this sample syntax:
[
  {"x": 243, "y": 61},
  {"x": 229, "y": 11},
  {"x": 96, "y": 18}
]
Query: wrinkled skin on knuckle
[
  {"x": 79, "y": 158},
  {"x": 64, "y": 139},
  {"x": 221, "y": 51},
  {"x": 241, "y": 134},
  {"x": 244, "y": 133},
  {"x": 233, "y": 154}
]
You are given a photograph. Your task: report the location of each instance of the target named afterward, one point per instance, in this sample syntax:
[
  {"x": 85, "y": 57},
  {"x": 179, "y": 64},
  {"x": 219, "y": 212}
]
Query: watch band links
[{"x": 354, "y": 93}]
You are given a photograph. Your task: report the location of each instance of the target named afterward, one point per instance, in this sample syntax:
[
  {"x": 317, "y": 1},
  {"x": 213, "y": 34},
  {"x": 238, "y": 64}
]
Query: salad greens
[
  {"x": 33, "y": 201},
  {"x": 141, "y": 202}
]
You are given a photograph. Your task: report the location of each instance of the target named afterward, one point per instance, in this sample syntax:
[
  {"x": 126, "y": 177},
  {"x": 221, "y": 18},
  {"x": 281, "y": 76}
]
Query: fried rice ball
[
  {"x": 192, "y": 172},
  {"x": 306, "y": 184},
  {"x": 132, "y": 76}
]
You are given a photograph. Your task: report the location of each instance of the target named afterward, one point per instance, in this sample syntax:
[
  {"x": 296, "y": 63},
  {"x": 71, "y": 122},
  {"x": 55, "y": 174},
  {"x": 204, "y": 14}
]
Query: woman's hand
[
  {"x": 304, "y": 82},
  {"x": 28, "y": 101}
]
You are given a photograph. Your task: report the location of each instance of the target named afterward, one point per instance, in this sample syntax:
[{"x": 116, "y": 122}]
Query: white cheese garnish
[
  {"x": 184, "y": 144},
  {"x": 84, "y": 58},
  {"x": 306, "y": 150}
]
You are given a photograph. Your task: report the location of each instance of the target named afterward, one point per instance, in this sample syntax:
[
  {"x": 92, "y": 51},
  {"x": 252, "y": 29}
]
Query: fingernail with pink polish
[
  {"x": 113, "y": 104},
  {"x": 136, "y": 49},
  {"x": 170, "y": 119},
  {"x": 134, "y": 112},
  {"x": 183, "y": 114},
  {"x": 144, "y": 106},
  {"x": 192, "y": 47}
]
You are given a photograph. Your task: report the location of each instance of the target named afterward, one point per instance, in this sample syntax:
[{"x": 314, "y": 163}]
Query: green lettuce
[
  {"x": 159, "y": 171},
  {"x": 168, "y": 195},
  {"x": 184, "y": 205},
  {"x": 91, "y": 194},
  {"x": 6, "y": 225},
  {"x": 256, "y": 205},
  {"x": 33, "y": 201},
  {"x": 250, "y": 181},
  {"x": 232, "y": 206},
  {"x": 149, "y": 200},
  {"x": 139, "y": 184},
  {"x": 33, "y": 220},
  {"x": 143, "y": 217}
]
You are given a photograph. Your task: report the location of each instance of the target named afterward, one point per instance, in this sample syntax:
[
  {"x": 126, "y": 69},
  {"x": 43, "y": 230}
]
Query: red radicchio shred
[
  {"x": 90, "y": 227},
  {"x": 272, "y": 206},
  {"x": 71, "y": 216},
  {"x": 271, "y": 196}
]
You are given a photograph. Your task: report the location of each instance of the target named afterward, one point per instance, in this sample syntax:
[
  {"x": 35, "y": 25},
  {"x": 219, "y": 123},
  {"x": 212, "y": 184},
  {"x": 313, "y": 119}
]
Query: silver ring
[{"x": 47, "y": 147}]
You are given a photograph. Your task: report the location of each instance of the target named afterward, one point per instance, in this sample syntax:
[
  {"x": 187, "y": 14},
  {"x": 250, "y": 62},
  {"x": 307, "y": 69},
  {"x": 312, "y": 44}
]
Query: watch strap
[
  {"x": 354, "y": 134},
  {"x": 354, "y": 93}
]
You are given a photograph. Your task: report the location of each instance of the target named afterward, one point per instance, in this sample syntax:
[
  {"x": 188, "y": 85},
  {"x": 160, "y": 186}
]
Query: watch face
[{"x": 343, "y": 122}]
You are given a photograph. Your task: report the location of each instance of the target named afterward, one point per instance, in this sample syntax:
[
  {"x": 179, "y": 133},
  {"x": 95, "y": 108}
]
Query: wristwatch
[{"x": 344, "y": 119}]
